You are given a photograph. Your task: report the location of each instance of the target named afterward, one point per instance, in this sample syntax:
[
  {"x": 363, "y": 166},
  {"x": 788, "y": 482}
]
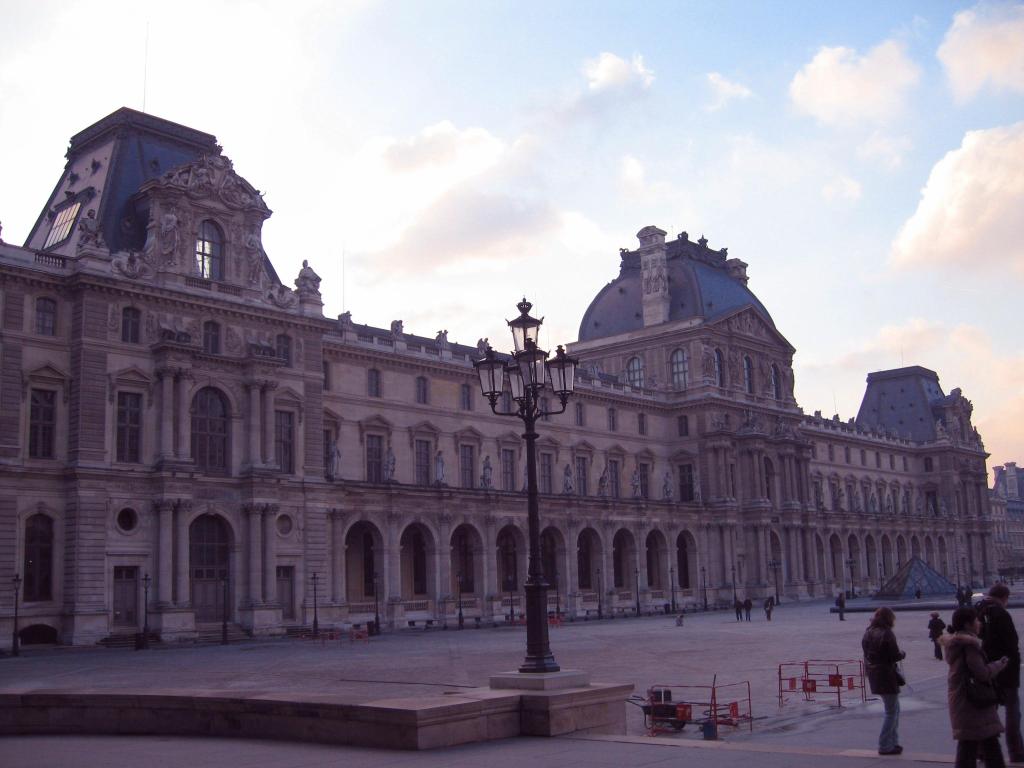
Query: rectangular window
[
  {"x": 545, "y": 407},
  {"x": 644, "y": 470},
  {"x": 683, "y": 426},
  {"x": 46, "y": 316},
  {"x": 814, "y": 450},
  {"x": 928, "y": 465},
  {"x": 328, "y": 456},
  {"x": 466, "y": 397},
  {"x": 373, "y": 383},
  {"x": 508, "y": 469},
  {"x": 62, "y": 224},
  {"x": 467, "y": 466},
  {"x": 581, "y": 475},
  {"x": 130, "y": 322},
  {"x": 846, "y": 454},
  {"x": 831, "y": 452},
  {"x": 878, "y": 460},
  {"x": 422, "y": 450},
  {"x": 422, "y": 390},
  {"x": 614, "y": 489},
  {"x": 641, "y": 423},
  {"x": 42, "y": 424},
  {"x": 374, "y": 459},
  {"x": 129, "y": 426},
  {"x": 863, "y": 457},
  {"x": 547, "y": 472},
  {"x": 284, "y": 440},
  {"x": 892, "y": 461},
  {"x": 580, "y": 415},
  {"x": 904, "y": 463},
  {"x": 612, "y": 420},
  {"x": 686, "y": 492},
  {"x": 327, "y": 376}
]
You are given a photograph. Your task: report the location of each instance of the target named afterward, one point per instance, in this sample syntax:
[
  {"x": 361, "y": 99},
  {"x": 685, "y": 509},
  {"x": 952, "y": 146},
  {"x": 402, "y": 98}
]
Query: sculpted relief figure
[
  {"x": 486, "y": 479},
  {"x": 168, "y": 238},
  {"x": 397, "y": 328},
  {"x": 567, "y": 485},
  {"x": 439, "y": 469},
  {"x": 89, "y": 231},
  {"x": 253, "y": 256},
  {"x": 334, "y": 456},
  {"x": 389, "y": 466},
  {"x": 708, "y": 364},
  {"x": 666, "y": 487},
  {"x": 634, "y": 481},
  {"x": 602, "y": 482},
  {"x": 308, "y": 282}
]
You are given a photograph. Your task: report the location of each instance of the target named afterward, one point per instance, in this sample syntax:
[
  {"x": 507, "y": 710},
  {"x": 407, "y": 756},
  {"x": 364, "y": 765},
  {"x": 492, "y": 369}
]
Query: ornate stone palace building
[{"x": 176, "y": 420}]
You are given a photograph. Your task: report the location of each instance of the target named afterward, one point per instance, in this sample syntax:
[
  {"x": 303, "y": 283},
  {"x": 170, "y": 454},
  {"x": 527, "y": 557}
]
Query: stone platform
[{"x": 425, "y": 722}]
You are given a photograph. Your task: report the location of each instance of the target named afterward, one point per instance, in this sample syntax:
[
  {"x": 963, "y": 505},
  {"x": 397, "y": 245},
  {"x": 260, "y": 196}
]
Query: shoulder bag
[{"x": 980, "y": 693}]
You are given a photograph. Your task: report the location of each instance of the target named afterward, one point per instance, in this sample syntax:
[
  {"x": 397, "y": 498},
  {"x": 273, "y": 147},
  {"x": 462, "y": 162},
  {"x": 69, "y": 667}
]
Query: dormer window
[
  {"x": 211, "y": 338},
  {"x": 635, "y": 372},
  {"x": 209, "y": 251},
  {"x": 62, "y": 225}
]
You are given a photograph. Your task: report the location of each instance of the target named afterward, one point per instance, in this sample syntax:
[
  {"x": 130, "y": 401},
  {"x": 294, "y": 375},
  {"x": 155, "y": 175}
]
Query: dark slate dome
[{"x": 702, "y": 283}]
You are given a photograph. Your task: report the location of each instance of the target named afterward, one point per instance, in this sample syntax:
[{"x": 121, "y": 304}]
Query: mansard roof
[
  {"x": 699, "y": 282},
  {"x": 902, "y": 400}
]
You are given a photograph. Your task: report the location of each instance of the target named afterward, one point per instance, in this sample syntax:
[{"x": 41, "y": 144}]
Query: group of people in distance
[
  {"x": 982, "y": 650},
  {"x": 744, "y": 607}
]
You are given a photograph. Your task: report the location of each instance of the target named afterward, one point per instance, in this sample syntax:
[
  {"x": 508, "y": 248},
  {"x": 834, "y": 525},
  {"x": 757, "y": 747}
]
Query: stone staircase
[
  {"x": 207, "y": 634},
  {"x": 127, "y": 640}
]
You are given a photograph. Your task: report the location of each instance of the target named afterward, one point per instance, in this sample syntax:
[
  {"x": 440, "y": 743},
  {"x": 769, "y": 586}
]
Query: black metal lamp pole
[
  {"x": 734, "y": 583},
  {"x": 672, "y": 584},
  {"x": 527, "y": 378},
  {"x": 853, "y": 588},
  {"x": 637, "y": 582},
  {"x": 558, "y": 603},
  {"x": 145, "y": 611},
  {"x": 704, "y": 579},
  {"x": 461, "y": 619},
  {"x": 376, "y": 604},
  {"x": 511, "y": 605},
  {"x": 15, "y": 644},
  {"x": 316, "y": 619},
  {"x": 600, "y": 595},
  {"x": 224, "y": 610}
]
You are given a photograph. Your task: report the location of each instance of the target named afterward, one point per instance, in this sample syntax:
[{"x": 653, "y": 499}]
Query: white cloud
[
  {"x": 888, "y": 150},
  {"x": 969, "y": 214},
  {"x": 724, "y": 90},
  {"x": 632, "y": 173},
  {"x": 841, "y": 188},
  {"x": 985, "y": 46},
  {"x": 839, "y": 86},
  {"x": 609, "y": 72}
]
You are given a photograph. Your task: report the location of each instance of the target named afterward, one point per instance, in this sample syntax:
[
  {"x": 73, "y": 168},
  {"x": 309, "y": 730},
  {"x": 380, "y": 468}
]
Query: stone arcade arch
[
  {"x": 589, "y": 573},
  {"x": 363, "y": 560},
  {"x": 656, "y": 553},
  {"x": 511, "y": 552},
  {"x": 887, "y": 557},
  {"x": 686, "y": 562},
  {"x": 943, "y": 557},
  {"x": 901, "y": 551},
  {"x": 467, "y": 548},
  {"x": 209, "y": 566},
  {"x": 836, "y": 557},
  {"x": 929, "y": 551},
  {"x": 624, "y": 562},
  {"x": 871, "y": 559},
  {"x": 552, "y": 558},
  {"x": 418, "y": 550}
]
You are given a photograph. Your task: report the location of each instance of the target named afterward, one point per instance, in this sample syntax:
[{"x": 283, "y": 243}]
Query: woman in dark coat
[
  {"x": 976, "y": 729},
  {"x": 881, "y": 655}
]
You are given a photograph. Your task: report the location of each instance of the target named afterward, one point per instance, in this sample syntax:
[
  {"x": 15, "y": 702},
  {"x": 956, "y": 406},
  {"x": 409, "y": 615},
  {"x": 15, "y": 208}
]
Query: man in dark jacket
[
  {"x": 841, "y": 605},
  {"x": 739, "y": 609},
  {"x": 748, "y": 606},
  {"x": 998, "y": 639},
  {"x": 935, "y": 627}
]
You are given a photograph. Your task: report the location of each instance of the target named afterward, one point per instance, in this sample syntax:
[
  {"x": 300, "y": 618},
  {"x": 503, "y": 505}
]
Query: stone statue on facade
[
  {"x": 486, "y": 480},
  {"x": 567, "y": 484},
  {"x": 254, "y": 256},
  {"x": 940, "y": 429},
  {"x": 888, "y": 505},
  {"x": 439, "y": 469},
  {"x": 840, "y": 500},
  {"x": 873, "y": 504},
  {"x": 602, "y": 483},
  {"x": 168, "y": 237},
  {"x": 89, "y": 231},
  {"x": 634, "y": 482},
  {"x": 308, "y": 282},
  {"x": 856, "y": 501},
  {"x": 481, "y": 346},
  {"x": 334, "y": 459},
  {"x": 389, "y": 466},
  {"x": 666, "y": 487},
  {"x": 697, "y": 496},
  {"x": 397, "y": 328}
]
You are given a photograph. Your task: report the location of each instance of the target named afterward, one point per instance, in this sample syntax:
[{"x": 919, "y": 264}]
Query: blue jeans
[{"x": 889, "y": 737}]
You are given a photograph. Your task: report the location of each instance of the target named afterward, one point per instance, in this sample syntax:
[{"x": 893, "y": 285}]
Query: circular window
[
  {"x": 284, "y": 525},
  {"x": 127, "y": 519}
]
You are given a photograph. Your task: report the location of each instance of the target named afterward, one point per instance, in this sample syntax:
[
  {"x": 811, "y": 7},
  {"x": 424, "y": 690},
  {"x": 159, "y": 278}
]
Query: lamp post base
[{"x": 547, "y": 681}]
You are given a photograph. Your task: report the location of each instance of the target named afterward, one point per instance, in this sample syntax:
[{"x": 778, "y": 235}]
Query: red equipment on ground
[{"x": 669, "y": 708}]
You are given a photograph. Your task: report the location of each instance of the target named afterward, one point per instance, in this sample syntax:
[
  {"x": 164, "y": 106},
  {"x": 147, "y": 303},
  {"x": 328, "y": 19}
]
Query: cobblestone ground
[{"x": 645, "y": 651}]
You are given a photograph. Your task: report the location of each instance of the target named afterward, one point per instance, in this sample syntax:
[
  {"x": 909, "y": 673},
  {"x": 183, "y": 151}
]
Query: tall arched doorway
[{"x": 209, "y": 555}]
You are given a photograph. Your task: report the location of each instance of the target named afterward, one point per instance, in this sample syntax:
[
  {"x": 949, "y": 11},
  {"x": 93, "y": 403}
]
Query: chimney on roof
[
  {"x": 654, "y": 275},
  {"x": 1012, "y": 481},
  {"x": 737, "y": 270}
]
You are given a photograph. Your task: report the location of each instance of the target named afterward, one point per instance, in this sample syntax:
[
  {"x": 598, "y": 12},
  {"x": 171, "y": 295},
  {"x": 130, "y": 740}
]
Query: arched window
[
  {"x": 131, "y": 320},
  {"x": 419, "y": 563},
  {"x": 283, "y": 347},
  {"x": 210, "y": 425},
  {"x": 46, "y": 316},
  {"x": 507, "y": 562},
  {"x": 462, "y": 555},
  {"x": 748, "y": 375},
  {"x": 719, "y": 369},
  {"x": 211, "y": 338},
  {"x": 775, "y": 391},
  {"x": 38, "y": 584},
  {"x": 680, "y": 365},
  {"x": 635, "y": 372},
  {"x": 209, "y": 251}
]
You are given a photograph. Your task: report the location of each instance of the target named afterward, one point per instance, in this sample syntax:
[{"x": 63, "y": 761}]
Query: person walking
[
  {"x": 769, "y": 605},
  {"x": 881, "y": 655},
  {"x": 748, "y": 606},
  {"x": 739, "y": 609},
  {"x": 841, "y": 605},
  {"x": 999, "y": 639},
  {"x": 935, "y": 627},
  {"x": 976, "y": 727}
]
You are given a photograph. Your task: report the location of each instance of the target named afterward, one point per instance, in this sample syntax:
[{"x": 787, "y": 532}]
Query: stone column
[
  {"x": 490, "y": 562},
  {"x": 255, "y": 427},
  {"x": 184, "y": 376},
  {"x": 270, "y": 553},
  {"x": 268, "y": 423},
  {"x": 182, "y": 593},
  {"x": 255, "y": 554},
  {"x": 392, "y": 577},
  {"x": 166, "y": 413},
  {"x": 334, "y": 525},
  {"x": 165, "y": 551},
  {"x": 443, "y": 570}
]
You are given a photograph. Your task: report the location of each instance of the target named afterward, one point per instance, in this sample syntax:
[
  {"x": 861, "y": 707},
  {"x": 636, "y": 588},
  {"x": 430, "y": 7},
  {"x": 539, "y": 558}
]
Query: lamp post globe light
[{"x": 527, "y": 374}]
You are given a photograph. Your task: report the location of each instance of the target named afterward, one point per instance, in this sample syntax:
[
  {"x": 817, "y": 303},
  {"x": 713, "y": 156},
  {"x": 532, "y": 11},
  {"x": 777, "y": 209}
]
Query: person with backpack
[
  {"x": 999, "y": 639},
  {"x": 935, "y": 627},
  {"x": 973, "y": 710}
]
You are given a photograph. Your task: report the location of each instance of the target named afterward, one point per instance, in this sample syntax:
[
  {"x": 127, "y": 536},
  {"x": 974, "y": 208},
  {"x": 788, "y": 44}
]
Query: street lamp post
[
  {"x": 316, "y": 619},
  {"x": 511, "y": 605},
  {"x": 462, "y": 621},
  {"x": 376, "y": 604},
  {"x": 672, "y": 586},
  {"x": 734, "y": 598},
  {"x": 15, "y": 644},
  {"x": 527, "y": 374},
  {"x": 775, "y": 565},
  {"x": 600, "y": 595},
  {"x": 558, "y": 597},
  {"x": 704, "y": 579},
  {"x": 853, "y": 588},
  {"x": 224, "y": 609},
  {"x": 145, "y": 611},
  {"x": 637, "y": 582}
]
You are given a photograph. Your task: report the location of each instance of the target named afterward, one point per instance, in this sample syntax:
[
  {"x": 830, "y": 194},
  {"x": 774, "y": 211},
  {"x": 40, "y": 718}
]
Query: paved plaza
[{"x": 644, "y": 652}]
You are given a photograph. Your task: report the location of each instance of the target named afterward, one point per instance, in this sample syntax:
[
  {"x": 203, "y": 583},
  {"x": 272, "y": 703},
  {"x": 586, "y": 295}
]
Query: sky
[{"x": 436, "y": 161}]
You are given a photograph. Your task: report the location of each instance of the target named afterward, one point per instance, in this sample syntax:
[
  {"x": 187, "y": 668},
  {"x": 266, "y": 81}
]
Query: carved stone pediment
[
  {"x": 213, "y": 177},
  {"x": 47, "y": 376},
  {"x": 132, "y": 378}
]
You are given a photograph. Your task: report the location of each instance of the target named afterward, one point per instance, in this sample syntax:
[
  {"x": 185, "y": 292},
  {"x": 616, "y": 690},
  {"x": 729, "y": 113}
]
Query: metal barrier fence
[{"x": 822, "y": 677}]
